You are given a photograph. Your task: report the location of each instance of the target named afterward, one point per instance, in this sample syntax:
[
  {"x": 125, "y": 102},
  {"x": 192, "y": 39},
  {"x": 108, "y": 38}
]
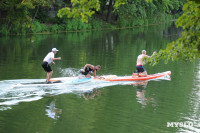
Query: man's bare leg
[
  {"x": 143, "y": 74},
  {"x": 49, "y": 74},
  {"x": 135, "y": 74},
  {"x": 88, "y": 76}
]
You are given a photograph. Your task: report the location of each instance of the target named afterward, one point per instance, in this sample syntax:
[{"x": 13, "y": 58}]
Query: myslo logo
[{"x": 180, "y": 124}]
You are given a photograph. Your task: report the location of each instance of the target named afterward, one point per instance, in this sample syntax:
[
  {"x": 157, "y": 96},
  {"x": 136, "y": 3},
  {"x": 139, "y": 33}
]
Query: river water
[{"x": 155, "y": 106}]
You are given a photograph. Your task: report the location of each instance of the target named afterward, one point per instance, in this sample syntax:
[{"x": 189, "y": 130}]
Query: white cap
[{"x": 54, "y": 49}]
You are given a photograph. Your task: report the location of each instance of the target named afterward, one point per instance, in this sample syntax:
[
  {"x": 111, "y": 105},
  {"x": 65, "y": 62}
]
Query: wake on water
[{"x": 13, "y": 92}]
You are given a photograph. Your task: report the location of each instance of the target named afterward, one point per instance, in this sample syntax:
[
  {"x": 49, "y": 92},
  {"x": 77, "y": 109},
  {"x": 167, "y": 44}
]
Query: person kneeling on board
[
  {"x": 140, "y": 70},
  {"x": 88, "y": 68},
  {"x": 47, "y": 61}
]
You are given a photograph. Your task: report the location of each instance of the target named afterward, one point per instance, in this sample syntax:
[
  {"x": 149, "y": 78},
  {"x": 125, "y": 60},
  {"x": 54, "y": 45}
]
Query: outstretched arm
[
  {"x": 59, "y": 58},
  {"x": 94, "y": 73},
  {"x": 151, "y": 55}
]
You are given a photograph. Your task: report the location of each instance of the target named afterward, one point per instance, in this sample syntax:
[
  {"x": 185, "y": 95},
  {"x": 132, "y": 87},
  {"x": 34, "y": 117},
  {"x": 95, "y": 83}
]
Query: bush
[
  {"x": 54, "y": 28},
  {"x": 75, "y": 24},
  {"x": 68, "y": 25},
  {"x": 38, "y": 27},
  {"x": 3, "y": 30},
  {"x": 96, "y": 24},
  {"x": 62, "y": 27},
  {"x": 123, "y": 23},
  {"x": 82, "y": 26}
]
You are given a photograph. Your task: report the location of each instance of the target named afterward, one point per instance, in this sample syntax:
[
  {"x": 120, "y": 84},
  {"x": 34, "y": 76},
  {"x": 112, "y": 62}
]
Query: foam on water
[
  {"x": 13, "y": 92},
  {"x": 69, "y": 72}
]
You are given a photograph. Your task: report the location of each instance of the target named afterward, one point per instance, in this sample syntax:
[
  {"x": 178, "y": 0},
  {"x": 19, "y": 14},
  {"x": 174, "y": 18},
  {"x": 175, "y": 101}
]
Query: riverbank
[
  {"x": 79, "y": 26},
  {"x": 54, "y": 17}
]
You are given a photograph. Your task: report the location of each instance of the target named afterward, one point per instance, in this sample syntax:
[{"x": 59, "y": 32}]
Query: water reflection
[
  {"x": 52, "y": 111},
  {"x": 140, "y": 94},
  {"x": 91, "y": 94}
]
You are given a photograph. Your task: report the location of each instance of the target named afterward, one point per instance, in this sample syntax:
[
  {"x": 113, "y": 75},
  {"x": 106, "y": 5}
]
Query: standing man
[
  {"x": 47, "y": 61},
  {"x": 140, "y": 64},
  {"x": 90, "y": 68}
]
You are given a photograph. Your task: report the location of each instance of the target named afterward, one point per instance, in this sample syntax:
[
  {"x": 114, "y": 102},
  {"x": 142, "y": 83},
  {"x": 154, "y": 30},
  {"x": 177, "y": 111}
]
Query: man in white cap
[{"x": 47, "y": 61}]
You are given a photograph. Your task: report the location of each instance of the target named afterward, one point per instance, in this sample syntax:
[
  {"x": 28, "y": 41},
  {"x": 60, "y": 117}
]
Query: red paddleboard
[{"x": 130, "y": 78}]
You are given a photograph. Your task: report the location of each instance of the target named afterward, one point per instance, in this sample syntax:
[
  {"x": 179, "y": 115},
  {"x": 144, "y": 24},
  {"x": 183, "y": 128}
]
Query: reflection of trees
[
  {"x": 107, "y": 48},
  {"x": 91, "y": 94},
  {"x": 17, "y": 56}
]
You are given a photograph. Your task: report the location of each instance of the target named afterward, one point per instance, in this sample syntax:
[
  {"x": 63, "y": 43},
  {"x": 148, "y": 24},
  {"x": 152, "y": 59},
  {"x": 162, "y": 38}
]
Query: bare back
[{"x": 139, "y": 59}]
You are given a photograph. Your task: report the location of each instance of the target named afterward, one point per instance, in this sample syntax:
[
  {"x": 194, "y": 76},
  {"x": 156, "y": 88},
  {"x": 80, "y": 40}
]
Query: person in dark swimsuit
[
  {"x": 88, "y": 68},
  {"x": 140, "y": 70}
]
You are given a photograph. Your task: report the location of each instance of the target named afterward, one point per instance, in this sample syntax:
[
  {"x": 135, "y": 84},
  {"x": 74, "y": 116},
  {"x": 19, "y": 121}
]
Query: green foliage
[
  {"x": 62, "y": 27},
  {"x": 14, "y": 30},
  {"x": 96, "y": 24},
  {"x": 84, "y": 26},
  {"x": 82, "y": 9},
  {"x": 69, "y": 25},
  {"x": 142, "y": 12},
  {"x": 18, "y": 29},
  {"x": 177, "y": 4},
  {"x": 38, "y": 27},
  {"x": 123, "y": 23},
  {"x": 187, "y": 46},
  {"x": 135, "y": 13},
  {"x": 54, "y": 28},
  {"x": 42, "y": 15},
  {"x": 17, "y": 13},
  {"x": 73, "y": 25},
  {"x": 118, "y": 3},
  {"x": 3, "y": 30},
  {"x": 20, "y": 13}
]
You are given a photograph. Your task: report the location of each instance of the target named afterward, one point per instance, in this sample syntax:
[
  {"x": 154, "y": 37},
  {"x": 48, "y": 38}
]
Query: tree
[
  {"x": 17, "y": 11},
  {"x": 84, "y": 9},
  {"x": 187, "y": 47}
]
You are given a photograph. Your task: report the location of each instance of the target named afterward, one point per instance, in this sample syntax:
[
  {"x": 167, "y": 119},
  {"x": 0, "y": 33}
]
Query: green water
[{"x": 96, "y": 107}]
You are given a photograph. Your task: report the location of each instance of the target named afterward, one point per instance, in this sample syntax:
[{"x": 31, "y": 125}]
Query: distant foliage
[
  {"x": 4, "y": 30},
  {"x": 96, "y": 24},
  {"x": 84, "y": 9},
  {"x": 54, "y": 28},
  {"x": 39, "y": 27},
  {"x": 187, "y": 47},
  {"x": 141, "y": 12},
  {"x": 26, "y": 16}
]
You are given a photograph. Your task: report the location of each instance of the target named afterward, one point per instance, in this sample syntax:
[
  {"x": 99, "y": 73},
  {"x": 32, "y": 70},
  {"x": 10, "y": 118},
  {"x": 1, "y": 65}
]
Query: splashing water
[
  {"x": 13, "y": 92},
  {"x": 69, "y": 72}
]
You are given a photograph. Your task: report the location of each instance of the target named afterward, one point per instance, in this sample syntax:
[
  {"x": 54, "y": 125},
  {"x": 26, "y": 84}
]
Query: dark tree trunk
[
  {"x": 103, "y": 7},
  {"x": 110, "y": 7},
  {"x": 33, "y": 20}
]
